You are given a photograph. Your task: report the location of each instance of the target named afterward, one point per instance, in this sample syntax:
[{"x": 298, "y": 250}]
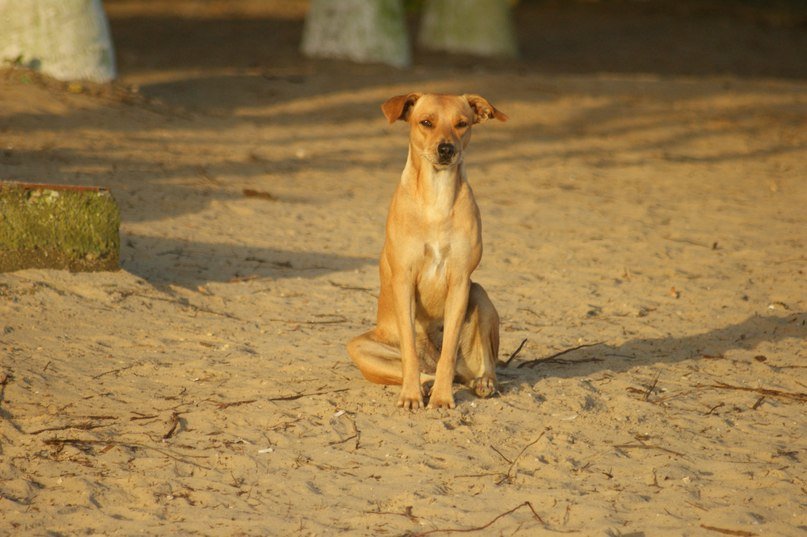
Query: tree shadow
[
  {"x": 668, "y": 38},
  {"x": 658, "y": 133},
  {"x": 164, "y": 261},
  {"x": 210, "y": 68},
  {"x": 587, "y": 360},
  {"x": 687, "y": 37}
]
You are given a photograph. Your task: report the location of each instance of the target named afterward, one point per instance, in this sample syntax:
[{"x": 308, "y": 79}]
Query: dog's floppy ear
[
  {"x": 398, "y": 107},
  {"x": 483, "y": 110}
]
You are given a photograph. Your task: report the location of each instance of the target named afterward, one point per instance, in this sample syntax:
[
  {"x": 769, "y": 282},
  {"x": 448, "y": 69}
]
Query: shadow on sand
[
  {"x": 163, "y": 261},
  {"x": 586, "y": 360}
]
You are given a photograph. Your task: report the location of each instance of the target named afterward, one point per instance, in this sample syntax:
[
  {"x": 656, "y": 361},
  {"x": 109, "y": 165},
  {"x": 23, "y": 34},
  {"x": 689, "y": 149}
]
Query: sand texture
[{"x": 645, "y": 231}]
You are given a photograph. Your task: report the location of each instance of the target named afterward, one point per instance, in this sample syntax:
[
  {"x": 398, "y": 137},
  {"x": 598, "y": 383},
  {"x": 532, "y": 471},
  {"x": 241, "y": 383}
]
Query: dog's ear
[
  {"x": 483, "y": 110},
  {"x": 398, "y": 107}
]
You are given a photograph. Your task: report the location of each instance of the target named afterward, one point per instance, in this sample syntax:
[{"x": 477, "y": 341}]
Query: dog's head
[{"x": 440, "y": 125}]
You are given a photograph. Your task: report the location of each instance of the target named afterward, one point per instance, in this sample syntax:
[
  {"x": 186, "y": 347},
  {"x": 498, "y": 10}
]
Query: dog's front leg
[
  {"x": 411, "y": 391},
  {"x": 442, "y": 395}
]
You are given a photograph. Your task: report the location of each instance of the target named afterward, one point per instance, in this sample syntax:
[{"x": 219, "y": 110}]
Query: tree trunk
[
  {"x": 66, "y": 39},
  {"x": 359, "y": 30},
  {"x": 479, "y": 27}
]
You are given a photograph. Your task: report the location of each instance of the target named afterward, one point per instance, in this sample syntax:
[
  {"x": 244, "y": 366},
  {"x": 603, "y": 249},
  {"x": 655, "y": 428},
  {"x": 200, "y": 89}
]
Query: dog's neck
[{"x": 437, "y": 188}]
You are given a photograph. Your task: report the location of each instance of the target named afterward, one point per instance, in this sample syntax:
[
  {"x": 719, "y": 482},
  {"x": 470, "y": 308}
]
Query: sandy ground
[{"x": 644, "y": 225}]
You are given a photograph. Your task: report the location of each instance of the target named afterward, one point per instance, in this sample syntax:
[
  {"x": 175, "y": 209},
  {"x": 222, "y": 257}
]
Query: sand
[{"x": 644, "y": 229}]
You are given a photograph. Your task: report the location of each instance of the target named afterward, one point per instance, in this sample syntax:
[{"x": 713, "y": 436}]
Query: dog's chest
[
  {"x": 432, "y": 276},
  {"x": 443, "y": 252},
  {"x": 435, "y": 254}
]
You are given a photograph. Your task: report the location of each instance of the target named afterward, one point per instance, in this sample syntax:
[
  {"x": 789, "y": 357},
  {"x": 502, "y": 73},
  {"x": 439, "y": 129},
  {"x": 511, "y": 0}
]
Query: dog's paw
[
  {"x": 440, "y": 399},
  {"x": 411, "y": 399},
  {"x": 484, "y": 387}
]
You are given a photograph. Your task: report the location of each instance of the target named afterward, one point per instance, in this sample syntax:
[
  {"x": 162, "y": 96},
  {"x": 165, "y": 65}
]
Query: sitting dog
[{"x": 434, "y": 323}]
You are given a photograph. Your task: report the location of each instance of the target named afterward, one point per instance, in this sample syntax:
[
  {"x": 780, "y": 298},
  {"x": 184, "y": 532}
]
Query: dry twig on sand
[
  {"x": 553, "y": 358},
  {"x": 648, "y": 446},
  {"x": 407, "y": 513},
  {"x": 174, "y": 423},
  {"x": 652, "y": 387},
  {"x": 511, "y": 475},
  {"x": 79, "y": 442},
  {"x": 724, "y": 531},
  {"x": 795, "y": 396},
  {"x": 83, "y": 426},
  {"x": 505, "y": 363},
  {"x": 489, "y": 524},
  {"x": 301, "y": 395},
  {"x": 221, "y": 406},
  {"x": 111, "y": 371}
]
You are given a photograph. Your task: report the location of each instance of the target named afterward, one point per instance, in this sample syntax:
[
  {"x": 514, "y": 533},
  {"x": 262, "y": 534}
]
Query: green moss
[{"x": 55, "y": 228}]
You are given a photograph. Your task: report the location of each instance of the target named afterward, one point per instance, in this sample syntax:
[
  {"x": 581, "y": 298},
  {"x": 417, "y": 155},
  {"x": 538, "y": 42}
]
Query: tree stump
[
  {"x": 65, "y": 39},
  {"x": 478, "y": 27},
  {"x": 358, "y": 30}
]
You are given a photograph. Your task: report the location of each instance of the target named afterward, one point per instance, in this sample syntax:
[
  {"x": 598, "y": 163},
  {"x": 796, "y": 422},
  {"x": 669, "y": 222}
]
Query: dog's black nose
[{"x": 445, "y": 151}]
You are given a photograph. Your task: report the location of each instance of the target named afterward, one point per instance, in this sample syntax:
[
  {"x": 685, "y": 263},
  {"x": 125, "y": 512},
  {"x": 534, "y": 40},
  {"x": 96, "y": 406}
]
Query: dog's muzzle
[{"x": 445, "y": 153}]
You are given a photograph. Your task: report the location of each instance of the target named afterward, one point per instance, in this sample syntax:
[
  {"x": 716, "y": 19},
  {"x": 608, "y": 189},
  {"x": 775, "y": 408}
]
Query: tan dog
[{"x": 431, "y": 318}]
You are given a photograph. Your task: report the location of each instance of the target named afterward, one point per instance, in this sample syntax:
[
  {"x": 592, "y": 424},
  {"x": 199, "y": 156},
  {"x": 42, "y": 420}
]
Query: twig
[
  {"x": 241, "y": 279},
  {"x": 696, "y": 506},
  {"x": 351, "y": 437},
  {"x": 505, "y": 363},
  {"x": 475, "y": 476},
  {"x": 651, "y": 388},
  {"x": 142, "y": 417},
  {"x": 647, "y": 446},
  {"x": 690, "y": 241},
  {"x": 758, "y": 403},
  {"x": 234, "y": 403},
  {"x": 500, "y": 454},
  {"x": 174, "y": 424},
  {"x": 724, "y": 531},
  {"x": 533, "y": 363},
  {"x": 350, "y": 287},
  {"x": 130, "y": 445},
  {"x": 508, "y": 477},
  {"x": 796, "y": 396},
  {"x": 86, "y": 426},
  {"x": 480, "y": 528},
  {"x": 343, "y": 319},
  {"x": 186, "y": 303},
  {"x": 260, "y": 194},
  {"x": 99, "y": 375},
  {"x": 16, "y": 499},
  {"x": 301, "y": 395},
  {"x": 407, "y": 513}
]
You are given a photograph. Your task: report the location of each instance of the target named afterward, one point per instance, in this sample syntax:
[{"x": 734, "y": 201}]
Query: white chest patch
[{"x": 436, "y": 255}]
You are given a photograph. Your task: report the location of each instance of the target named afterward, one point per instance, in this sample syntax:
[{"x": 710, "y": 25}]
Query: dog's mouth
[
  {"x": 438, "y": 166},
  {"x": 442, "y": 161}
]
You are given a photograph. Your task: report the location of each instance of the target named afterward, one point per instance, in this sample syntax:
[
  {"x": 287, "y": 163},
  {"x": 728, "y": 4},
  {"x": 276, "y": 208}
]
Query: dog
[{"x": 433, "y": 322}]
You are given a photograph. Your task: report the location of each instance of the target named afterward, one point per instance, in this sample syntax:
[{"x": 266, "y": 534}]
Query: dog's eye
[
  {"x": 462, "y": 124},
  {"x": 426, "y": 123}
]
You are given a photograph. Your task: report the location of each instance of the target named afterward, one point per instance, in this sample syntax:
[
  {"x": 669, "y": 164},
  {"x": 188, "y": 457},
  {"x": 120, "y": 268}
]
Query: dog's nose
[{"x": 445, "y": 151}]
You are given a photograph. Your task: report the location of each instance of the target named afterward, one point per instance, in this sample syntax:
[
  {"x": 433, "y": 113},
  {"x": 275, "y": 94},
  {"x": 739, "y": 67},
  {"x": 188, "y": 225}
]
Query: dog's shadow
[{"x": 586, "y": 360}]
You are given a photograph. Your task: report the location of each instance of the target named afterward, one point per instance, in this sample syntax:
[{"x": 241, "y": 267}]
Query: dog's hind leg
[
  {"x": 479, "y": 344},
  {"x": 378, "y": 361}
]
